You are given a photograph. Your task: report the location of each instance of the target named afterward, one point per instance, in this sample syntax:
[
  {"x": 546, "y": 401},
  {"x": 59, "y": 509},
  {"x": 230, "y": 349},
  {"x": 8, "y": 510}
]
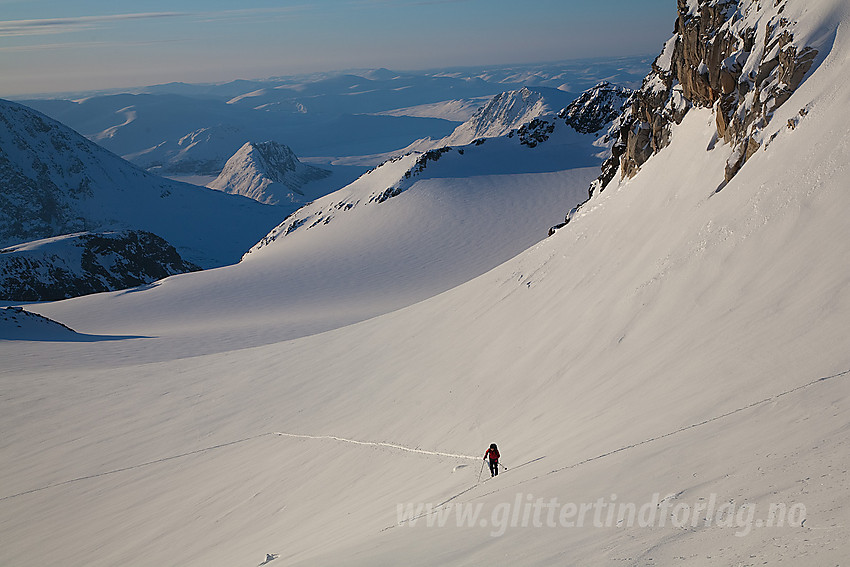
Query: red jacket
[{"x": 493, "y": 454}]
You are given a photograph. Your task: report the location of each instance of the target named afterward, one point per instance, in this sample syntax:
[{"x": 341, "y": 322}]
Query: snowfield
[{"x": 673, "y": 350}]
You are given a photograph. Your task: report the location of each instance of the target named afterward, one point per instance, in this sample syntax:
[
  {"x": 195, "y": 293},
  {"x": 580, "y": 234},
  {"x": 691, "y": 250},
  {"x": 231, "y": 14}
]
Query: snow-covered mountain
[
  {"x": 57, "y": 182},
  {"x": 666, "y": 377},
  {"x": 200, "y": 152},
  {"x": 268, "y": 172},
  {"x": 528, "y": 136},
  {"x": 507, "y": 111},
  {"x": 79, "y": 264},
  {"x": 527, "y": 109},
  {"x": 538, "y": 141},
  {"x": 180, "y": 135}
]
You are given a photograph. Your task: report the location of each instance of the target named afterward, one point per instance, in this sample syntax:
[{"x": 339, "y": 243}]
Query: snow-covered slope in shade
[
  {"x": 203, "y": 151},
  {"x": 57, "y": 182},
  {"x": 673, "y": 354},
  {"x": 270, "y": 173},
  {"x": 18, "y": 324}
]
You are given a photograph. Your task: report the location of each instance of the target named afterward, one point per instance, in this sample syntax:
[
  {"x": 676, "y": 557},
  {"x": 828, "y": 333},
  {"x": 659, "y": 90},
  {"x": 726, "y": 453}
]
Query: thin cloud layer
[
  {"x": 47, "y": 26},
  {"x": 50, "y": 26}
]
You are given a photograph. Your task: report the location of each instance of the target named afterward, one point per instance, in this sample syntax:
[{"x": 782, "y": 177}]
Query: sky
[{"x": 62, "y": 46}]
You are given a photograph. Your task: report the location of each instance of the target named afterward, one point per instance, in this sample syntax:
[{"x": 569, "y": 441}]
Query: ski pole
[
  {"x": 481, "y": 471},
  {"x": 503, "y": 466}
]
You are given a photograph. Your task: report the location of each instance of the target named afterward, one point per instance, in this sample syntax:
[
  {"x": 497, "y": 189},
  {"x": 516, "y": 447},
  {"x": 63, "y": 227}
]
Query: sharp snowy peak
[
  {"x": 54, "y": 182},
  {"x": 268, "y": 172},
  {"x": 505, "y": 112}
]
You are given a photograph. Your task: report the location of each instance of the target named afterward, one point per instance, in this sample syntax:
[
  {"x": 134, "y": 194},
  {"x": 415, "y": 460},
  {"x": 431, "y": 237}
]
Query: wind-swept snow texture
[
  {"x": 56, "y": 182},
  {"x": 670, "y": 347}
]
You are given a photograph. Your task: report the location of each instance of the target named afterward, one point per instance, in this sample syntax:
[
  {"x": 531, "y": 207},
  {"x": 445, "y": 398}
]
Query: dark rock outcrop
[
  {"x": 596, "y": 108},
  {"x": 85, "y": 263}
]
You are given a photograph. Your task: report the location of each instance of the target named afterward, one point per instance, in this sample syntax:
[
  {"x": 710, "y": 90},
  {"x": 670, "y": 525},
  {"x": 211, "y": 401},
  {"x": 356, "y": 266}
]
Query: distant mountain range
[
  {"x": 56, "y": 182},
  {"x": 181, "y": 129},
  {"x": 517, "y": 132},
  {"x": 59, "y": 184}
]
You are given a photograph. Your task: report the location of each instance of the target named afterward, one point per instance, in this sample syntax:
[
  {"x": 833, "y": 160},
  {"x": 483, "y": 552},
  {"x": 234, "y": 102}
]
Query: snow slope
[
  {"x": 17, "y": 323},
  {"x": 434, "y": 236},
  {"x": 539, "y": 146},
  {"x": 458, "y": 110},
  {"x": 670, "y": 341}
]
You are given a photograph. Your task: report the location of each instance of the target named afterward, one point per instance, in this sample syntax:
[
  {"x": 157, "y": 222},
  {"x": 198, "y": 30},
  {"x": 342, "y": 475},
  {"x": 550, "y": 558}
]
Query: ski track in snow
[
  {"x": 625, "y": 447},
  {"x": 251, "y": 438},
  {"x": 438, "y": 453},
  {"x": 378, "y": 444},
  {"x": 132, "y": 467}
]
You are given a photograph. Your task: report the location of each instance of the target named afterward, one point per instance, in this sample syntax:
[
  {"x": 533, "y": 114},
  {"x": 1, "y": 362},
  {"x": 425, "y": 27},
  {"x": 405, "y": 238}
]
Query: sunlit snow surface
[{"x": 670, "y": 340}]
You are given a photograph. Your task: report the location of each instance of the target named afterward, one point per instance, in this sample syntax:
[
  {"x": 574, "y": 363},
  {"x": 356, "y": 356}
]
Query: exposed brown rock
[{"x": 705, "y": 69}]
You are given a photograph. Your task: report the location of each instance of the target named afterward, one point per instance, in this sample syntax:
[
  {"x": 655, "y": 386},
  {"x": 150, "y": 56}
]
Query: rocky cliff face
[
  {"x": 739, "y": 57},
  {"x": 79, "y": 264}
]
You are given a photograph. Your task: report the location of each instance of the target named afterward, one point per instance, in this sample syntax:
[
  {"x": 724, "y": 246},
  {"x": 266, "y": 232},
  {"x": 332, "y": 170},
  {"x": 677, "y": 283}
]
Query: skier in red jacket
[{"x": 493, "y": 454}]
